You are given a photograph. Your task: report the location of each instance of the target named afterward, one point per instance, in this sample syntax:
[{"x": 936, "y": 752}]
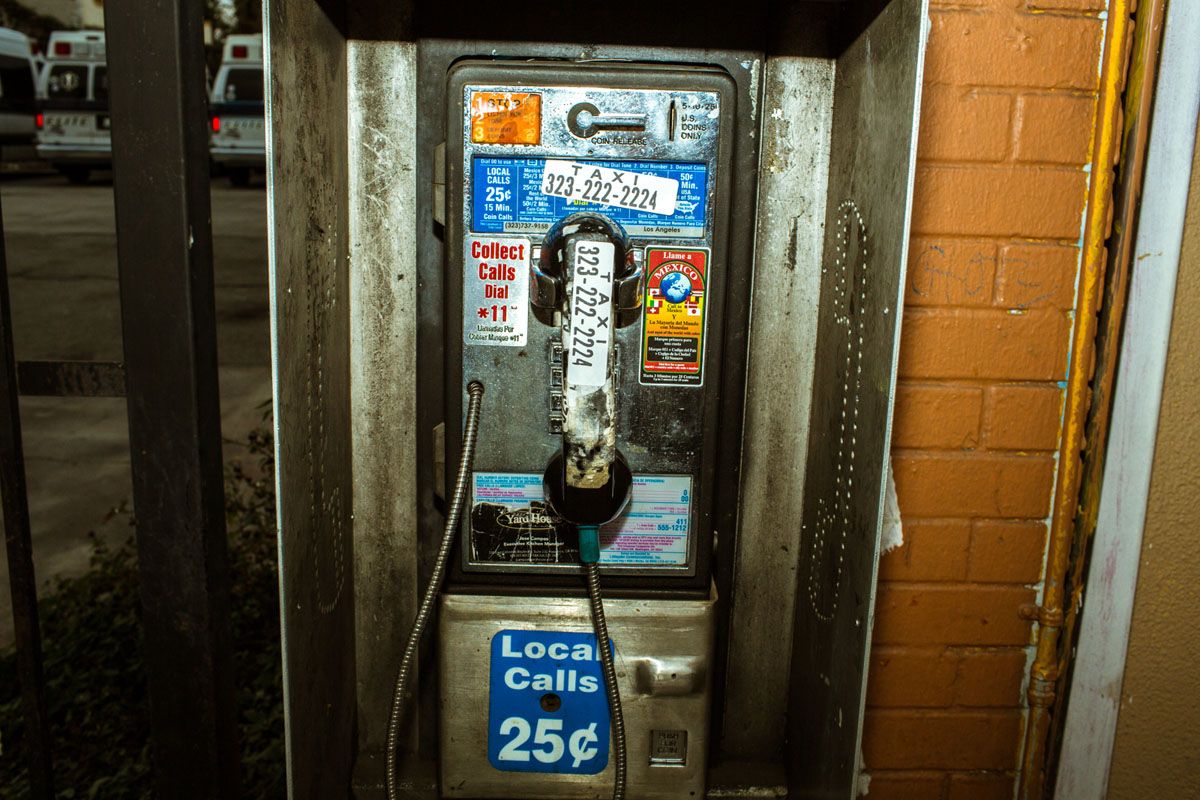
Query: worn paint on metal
[{"x": 1045, "y": 669}]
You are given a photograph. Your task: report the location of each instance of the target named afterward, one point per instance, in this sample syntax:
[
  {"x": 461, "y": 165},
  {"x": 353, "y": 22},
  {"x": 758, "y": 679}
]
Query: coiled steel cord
[
  {"x": 600, "y": 625},
  {"x": 461, "y": 484}
]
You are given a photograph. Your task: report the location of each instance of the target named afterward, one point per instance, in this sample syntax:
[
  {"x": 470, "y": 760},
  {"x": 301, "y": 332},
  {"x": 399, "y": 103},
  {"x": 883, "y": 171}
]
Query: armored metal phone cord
[
  {"x": 589, "y": 550},
  {"x": 458, "y": 497}
]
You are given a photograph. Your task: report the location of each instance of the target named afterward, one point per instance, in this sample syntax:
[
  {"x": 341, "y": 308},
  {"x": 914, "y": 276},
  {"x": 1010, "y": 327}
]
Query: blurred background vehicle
[
  {"x": 236, "y": 110},
  {"x": 74, "y": 125},
  {"x": 18, "y": 76}
]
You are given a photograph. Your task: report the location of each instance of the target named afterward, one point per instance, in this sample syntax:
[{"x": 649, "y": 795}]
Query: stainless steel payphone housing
[
  {"x": 648, "y": 147},
  {"x": 676, "y": 122},
  {"x": 819, "y": 173}
]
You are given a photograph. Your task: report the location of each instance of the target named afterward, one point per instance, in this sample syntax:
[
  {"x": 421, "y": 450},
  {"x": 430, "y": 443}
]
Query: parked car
[
  {"x": 73, "y": 124},
  {"x": 18, "y": 93},
  {"x": 238, "y": 141}
]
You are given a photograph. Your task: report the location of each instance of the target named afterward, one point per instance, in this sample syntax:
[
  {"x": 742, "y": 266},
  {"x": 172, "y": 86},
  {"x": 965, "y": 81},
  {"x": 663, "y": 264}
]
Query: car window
[
  {"x": 16, "y": 83},
  {"x": 67, "y": 82},
  {"x": 243, "y": 85},
  {"x": 100, "y": 84}
]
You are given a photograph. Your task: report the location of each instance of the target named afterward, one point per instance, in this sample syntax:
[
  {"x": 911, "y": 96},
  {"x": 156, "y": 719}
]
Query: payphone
[
  {"x": 584, "y": 345},
  {"x": 586, "y": 221}
]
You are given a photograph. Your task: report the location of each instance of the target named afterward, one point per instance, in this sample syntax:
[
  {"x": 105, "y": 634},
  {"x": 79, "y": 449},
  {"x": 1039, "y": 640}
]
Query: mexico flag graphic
[{"x": 673, "y": 316}]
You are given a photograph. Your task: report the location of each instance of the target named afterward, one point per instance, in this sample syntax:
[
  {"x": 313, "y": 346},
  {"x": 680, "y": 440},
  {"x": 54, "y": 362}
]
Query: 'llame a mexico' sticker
[{"x": 673, "y": 316}]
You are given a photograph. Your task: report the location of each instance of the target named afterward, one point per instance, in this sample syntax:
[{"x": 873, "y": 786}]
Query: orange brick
[
  {"x": 1022, "y": 417},
  {"x": 903, "y": 678},
  {"x": 1020, "y": 202},
  {"x": 1036, "y": 276},
  {"x": 960, "y": 124},
  {"x": 1053, "y": 127},
  {"x": 1007, "y": 551},
  {"x": 981, "y": 787},
  {"x": 1001, "y": 48},
  {"x": 933, "y": 550},
  {"x": 984, "y": 343},
  {"x": 973, "y": 485},
  {"x": 905, "y": 786},
  {"x": 990, "y": 678},
  {"x": 937, "y": 416},
  {"x": 953, "y": 4},
  {"x": 931, "y": 614},
  {"x": 950, "y": 272},
  {"x": 941, "y": 739},
  {"x": 1067, "y": 5}
]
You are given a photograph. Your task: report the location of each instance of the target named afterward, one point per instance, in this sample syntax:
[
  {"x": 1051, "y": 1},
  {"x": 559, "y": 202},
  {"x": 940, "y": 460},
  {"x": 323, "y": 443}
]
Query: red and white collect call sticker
[{"x": 496, "y": 291}]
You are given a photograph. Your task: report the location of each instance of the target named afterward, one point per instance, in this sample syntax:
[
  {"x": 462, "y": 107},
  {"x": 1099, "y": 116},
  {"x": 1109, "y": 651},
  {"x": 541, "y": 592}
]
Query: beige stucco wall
[{"x": 1158, "y": 735}]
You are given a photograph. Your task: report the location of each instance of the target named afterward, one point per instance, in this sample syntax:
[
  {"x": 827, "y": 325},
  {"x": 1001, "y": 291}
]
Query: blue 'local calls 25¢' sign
[{"x": 547, "y": 710}]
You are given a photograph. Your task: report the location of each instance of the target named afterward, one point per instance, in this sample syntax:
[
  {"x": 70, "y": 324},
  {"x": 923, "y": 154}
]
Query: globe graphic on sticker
[{"x": 676, "y": 287}]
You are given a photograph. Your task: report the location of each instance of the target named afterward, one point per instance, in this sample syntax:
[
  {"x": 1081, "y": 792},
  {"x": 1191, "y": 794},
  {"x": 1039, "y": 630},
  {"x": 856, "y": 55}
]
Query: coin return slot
[{"x": 668, "y": 748}]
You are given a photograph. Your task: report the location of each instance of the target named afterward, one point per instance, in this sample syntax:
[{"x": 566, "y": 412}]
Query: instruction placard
[
  {"x": 673, "y": 316},
  {"x": 506, "y": 117},
  {"x": 547, "y": 710},
  {"x": 496, "y": 291},
  {"x": 507, "y": 196},
  {"x": 511, "y": 523}
]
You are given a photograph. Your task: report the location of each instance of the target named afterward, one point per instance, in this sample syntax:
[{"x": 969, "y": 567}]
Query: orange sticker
[{"x": 506, "y": 118}]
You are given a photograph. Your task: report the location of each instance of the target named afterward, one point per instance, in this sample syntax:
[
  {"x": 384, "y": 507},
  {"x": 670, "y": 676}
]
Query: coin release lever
[{"x": 585, "y": 120}]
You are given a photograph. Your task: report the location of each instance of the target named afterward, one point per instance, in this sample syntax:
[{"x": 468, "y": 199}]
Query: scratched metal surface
[
  {"x": 383, "y": 299},
  {"x": 307, "y": 239},
  {"x": 794, "y": 165},
  {"x": 657, "y": 692},
  {"x": 873, "y": 150}
]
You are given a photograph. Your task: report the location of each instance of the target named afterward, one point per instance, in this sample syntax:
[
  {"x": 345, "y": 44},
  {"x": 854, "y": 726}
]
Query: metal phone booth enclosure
[{"x": 588, "y": 316}]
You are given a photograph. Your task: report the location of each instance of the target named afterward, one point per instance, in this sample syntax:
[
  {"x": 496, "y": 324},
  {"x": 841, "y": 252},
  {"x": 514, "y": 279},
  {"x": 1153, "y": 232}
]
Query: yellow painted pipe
[{"x": 1106, "y": 149}]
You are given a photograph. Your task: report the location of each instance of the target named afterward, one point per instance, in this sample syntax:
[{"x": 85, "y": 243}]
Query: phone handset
[
  {"x": 589, "y": 277},
  {"x": 587, "y": 274}
]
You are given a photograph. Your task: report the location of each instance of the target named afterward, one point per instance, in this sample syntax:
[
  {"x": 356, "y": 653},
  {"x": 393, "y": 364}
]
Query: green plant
[{"x": 95, "y": 678}]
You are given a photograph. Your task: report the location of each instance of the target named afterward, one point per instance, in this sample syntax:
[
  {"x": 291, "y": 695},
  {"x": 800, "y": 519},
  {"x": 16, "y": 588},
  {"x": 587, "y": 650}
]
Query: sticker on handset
[
  {"x": 496, "y": 291},
  {"x": 673, "y": 316},
  {"x": 592, "y": 183},
  {"x": 590, "y": 331}
]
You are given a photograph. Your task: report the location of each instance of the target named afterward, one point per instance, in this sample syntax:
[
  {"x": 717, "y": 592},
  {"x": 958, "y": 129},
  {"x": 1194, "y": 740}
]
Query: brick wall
[{"x": 1006, "y": 131}]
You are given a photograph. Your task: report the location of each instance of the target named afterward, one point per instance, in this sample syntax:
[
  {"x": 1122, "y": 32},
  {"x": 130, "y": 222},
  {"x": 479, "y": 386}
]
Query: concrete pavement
[{"x": 62, "y": 265}]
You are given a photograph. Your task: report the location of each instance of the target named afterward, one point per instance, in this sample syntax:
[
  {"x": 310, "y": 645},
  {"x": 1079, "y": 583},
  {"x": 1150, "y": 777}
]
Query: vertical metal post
[
  {"x": 164, "y": 245},
  {"x": 21, "y": 579}
]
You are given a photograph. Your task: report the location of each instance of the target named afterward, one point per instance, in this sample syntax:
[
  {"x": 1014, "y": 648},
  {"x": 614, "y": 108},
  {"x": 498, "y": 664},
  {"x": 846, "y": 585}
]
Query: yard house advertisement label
[
  {"x": 547, "y": 710},
  {"x": 673, "y": 316},
  {"x": 496, "y": 291},
  {"x": 511, "y": 523}
]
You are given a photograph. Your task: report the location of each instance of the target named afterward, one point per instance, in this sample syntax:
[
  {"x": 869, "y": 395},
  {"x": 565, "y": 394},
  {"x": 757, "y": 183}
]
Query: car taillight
[
  {"x": 216, "y": 124},
  {"x": 62, "y": 48},
  {"x": 240, "y": 51},
  {"x": 39, "y": 120}
]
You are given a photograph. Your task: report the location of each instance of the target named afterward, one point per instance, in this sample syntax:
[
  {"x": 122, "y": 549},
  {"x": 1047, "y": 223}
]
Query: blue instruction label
[
  {"x": 547, "y": 709},
  {"x": 507, "y": 197},
  {"x": 511, "y": 523}
]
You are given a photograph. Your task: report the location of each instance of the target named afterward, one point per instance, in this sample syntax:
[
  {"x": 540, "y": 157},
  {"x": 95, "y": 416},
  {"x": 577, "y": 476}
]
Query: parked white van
[
  {"x": 74, "y": 126},
  {"x": 18, "y": 95},
  {"x": 238, "y": 142}
]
